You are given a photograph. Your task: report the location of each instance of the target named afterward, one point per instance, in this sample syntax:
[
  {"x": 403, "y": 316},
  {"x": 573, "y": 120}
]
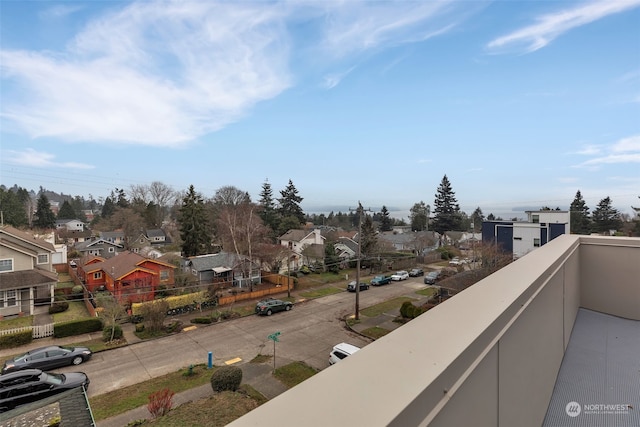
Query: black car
[
  {"x": 269, "y": 306},
  {"x": 416, "y": 272},
  {"x": 351, "y": 287},
  {"x": 431, "y": 277},
  {"x": 30, "y": 385},
  {"x": 46, "y": 358}
]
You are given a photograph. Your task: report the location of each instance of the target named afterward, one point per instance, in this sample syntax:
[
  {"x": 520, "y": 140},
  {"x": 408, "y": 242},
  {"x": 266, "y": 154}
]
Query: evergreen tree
[
  {"x": 13, "y": 209},
  {"x": 606, "y": 217},
  {"x": 66, "y": 211},
  {"x": 476, "y": 218},
  {"x": 194, "y": 225},
  {"x": 386, "y": 224},
  {"x": 367, "y": 239},
  {"x": 290, "y": 204},
  {"x": 268, "y": 212},
  {"x": 419, "y": 216},
  {"x": 121, "y": 198},
  {"x": 446, "y": 210},
  {"x": 331, "y": 259},
  {"x": 579, "y": 216},
  {"x": 45, "y": 218},
  {"x": 108, "y": 208}
]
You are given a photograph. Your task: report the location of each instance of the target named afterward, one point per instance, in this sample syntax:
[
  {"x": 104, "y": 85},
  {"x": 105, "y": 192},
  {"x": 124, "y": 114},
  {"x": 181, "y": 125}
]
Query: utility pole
[{"x": 359, "y": 211}]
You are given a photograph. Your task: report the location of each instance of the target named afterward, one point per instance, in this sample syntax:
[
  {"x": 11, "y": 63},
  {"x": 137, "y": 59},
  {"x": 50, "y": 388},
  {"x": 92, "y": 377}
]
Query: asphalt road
[{"x": 307, "y": 333}]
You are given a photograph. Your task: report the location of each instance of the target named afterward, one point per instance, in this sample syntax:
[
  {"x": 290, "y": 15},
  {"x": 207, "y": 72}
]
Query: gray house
[
  {"x": 27, "y": 276},
  {"x": 225, "y": 268}
]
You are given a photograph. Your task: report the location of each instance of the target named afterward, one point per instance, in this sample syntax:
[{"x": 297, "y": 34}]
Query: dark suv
[
  {"x": 269, "y": 306},
  {"x": 30, "y": 385}
]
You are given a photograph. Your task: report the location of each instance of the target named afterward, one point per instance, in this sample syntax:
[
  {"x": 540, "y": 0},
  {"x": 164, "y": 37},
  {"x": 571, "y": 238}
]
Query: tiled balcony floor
[{"x": 599, "y": 380}]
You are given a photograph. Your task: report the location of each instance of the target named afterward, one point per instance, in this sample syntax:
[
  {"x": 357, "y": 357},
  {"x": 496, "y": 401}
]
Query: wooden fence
[
  {"x": 241, "y": 296},
  {"x": 38, "y": 331}
]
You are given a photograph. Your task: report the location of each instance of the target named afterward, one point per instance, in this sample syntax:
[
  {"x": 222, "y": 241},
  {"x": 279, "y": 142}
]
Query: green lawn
[
  {"x": 427, "y": 292},
  {"x": 321, "y": 292},
  {"x": 294, "y": 373},
  {"x": 16, "y": 322},
  {"x": 77, "y": 310},
  {"x": 384, "y": 307},
  {"x": 123, "y": 399},
  {"x": 375, "y": 332}
]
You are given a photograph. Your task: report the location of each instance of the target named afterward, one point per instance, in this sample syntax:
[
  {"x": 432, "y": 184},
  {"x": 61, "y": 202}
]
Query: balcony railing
[{"x": 487, "y": 357}]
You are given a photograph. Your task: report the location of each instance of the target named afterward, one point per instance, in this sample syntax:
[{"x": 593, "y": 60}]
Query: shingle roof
[
  {"x": 29, "y": 238},
  {"x": 295, "y": 235},
  {"x": 72, "y": 406},
  {"x": 119, "y": 265},
  {"x": 208, "y": 262},
  {"x": 26, "y": 278}
]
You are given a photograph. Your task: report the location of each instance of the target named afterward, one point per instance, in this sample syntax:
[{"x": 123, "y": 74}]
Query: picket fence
[{"x": 39, "y": 331}]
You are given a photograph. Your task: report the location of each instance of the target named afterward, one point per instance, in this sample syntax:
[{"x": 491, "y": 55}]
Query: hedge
[
  {"x": 16, "y": 339},
  {"x": 174, "y": 302},
  {"x": 77, "y": 327},
  {"x": 226, "y": 378}
]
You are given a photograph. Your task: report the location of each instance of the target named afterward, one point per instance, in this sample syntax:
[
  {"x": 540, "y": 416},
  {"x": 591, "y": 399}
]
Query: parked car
[
  {"x": 416, "y": 272},
  {"x": 29, "y": 385},
  {"x": 46, "y": 358},
  {"x": 455, "y": 261},
  {"x": 399, "y": 275},
  {"x": 431, "y": 277},
  {"x": 351, "y": 287},
  {"x": 269, "y": 306},
  {"x": 341, "y": 351},
  {"x": 380, "y": 280}
]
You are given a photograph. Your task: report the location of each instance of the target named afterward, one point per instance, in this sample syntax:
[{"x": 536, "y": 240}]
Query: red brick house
[{"x": 128, "y": 276}]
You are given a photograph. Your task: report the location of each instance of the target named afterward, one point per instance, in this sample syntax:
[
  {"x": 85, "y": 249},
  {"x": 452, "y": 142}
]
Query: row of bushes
[{"x": 67, "y": 329}]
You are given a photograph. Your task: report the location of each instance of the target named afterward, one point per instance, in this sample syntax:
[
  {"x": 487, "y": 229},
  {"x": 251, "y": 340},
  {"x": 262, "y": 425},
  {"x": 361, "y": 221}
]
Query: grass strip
[
  {"x": 375, "y": 332},
  {"x": 124, "y": 399},
  {"x": 294, "y": 373},
  {"x": 384, "y": 307},
  {"x": 321, "y": 292}
]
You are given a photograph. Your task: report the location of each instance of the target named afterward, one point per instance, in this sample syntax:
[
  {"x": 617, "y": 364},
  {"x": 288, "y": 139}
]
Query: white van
[{"x": 340, "y": 351}]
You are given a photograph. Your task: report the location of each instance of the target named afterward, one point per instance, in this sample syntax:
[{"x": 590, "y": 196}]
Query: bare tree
[
  {"x": 154, "y": 315},
  {"x": 110, "y": 312},
  {"x": 241, "y": 228}
]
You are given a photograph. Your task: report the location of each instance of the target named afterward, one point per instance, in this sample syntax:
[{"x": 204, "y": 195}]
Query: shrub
[
  {"x": 160, "y": 402},
  {"x": 410, "y": 311},
  {"x": 77, "y": 327},
  {"x": 226, "y": 378},
  {"x": 15, "y": 340},
  {"x": 58, "y": 307},
  {"x": 77, "y": 292},
  {"x": 107, "y": 332},
  {"x": 202, "y": 320},
  {"x": 139, "y": 327}
]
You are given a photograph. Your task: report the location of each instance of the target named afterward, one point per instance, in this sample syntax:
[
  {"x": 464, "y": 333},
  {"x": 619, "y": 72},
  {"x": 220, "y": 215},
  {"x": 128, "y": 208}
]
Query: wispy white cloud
[
  {"x": 550, "y": 26},
  {"x": 589, "y": 150},
  {"x": 163, "y": 73},
  {"x": 334, "y": 79},
  {"x": 40, "y": 159},
  {"x": 626, "y": 150},
  {"x": 60, "y": 11}
]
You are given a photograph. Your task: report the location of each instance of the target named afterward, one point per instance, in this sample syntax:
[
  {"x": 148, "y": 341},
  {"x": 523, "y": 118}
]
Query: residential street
[{"x": 308, "y": 333}]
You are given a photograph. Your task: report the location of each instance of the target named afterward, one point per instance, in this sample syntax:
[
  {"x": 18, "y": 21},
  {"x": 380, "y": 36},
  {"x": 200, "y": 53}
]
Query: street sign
[{"x": 274, "y": 337}]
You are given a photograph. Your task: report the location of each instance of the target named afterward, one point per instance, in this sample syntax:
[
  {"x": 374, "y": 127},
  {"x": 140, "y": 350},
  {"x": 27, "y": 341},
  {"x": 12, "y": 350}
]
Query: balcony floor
[{"x": 599, "y": 379}]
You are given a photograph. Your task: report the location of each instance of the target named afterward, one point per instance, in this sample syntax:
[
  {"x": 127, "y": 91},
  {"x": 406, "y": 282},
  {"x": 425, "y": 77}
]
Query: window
[
  {"x": 535, "y": 219},
  {"x": 517, "y": 238},
  {"x": 112, "y": 250},
  {"x": 97, "y": 275},
  {"x": 6, "y": 265},
  {"x": 8, "y": 298},
  {"x": 536, "y": 243},
  {"x": 164, "y": 275},
  {"x": 43, "y": 258}
]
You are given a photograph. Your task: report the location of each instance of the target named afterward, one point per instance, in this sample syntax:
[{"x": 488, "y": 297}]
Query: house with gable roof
[
  {"x": 27, "y": 276},
  {"x": 99, "y": 247},
  {"x": 130, "y": 277},
  {"x": 225, "y": 268},
  {"x": 307, "y": 248}
]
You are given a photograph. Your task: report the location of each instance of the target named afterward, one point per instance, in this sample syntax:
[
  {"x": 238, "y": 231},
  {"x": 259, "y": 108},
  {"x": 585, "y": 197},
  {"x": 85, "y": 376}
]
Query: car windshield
[{"x": 51, "y": 378}]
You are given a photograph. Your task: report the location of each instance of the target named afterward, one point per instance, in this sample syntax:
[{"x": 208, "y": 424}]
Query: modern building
[
  {"x": 551, "y": 339},
  {"x": 521, "y": 237}
]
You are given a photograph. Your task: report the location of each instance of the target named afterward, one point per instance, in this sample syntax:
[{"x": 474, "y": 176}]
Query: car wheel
[
  {"x": 288, "y": 308},
  {"x": 77, "y": 360},
  {"x": 269, "y": 312}
]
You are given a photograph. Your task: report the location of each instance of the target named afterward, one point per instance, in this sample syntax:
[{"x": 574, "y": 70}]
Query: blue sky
[{"x": 519, "y": 103}]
